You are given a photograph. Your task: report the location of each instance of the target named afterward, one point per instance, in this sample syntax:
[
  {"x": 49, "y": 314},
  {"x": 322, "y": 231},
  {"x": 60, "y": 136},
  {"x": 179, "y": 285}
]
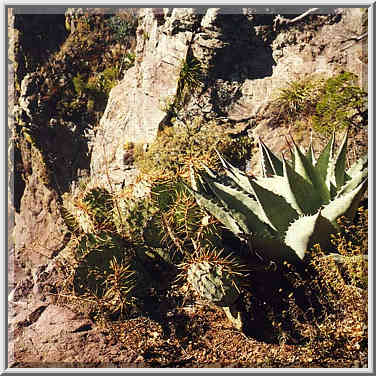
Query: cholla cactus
[{"x": 292, "y": 206}]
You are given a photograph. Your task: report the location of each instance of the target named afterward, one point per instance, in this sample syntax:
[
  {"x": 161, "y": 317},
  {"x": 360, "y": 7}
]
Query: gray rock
[
  {"x": 39, "y": 231},
  {"x": 135, "y": 107}
]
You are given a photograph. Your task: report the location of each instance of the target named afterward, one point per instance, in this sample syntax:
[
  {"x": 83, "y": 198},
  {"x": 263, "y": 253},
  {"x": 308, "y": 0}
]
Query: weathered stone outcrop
[
  {"x": 299, "y": 54},
  {"x": 39, "y": 231},
  {"x": 135, "y": 107},
  {"x": 246, "y": 65},
  {"x": 41, "y": 332}
]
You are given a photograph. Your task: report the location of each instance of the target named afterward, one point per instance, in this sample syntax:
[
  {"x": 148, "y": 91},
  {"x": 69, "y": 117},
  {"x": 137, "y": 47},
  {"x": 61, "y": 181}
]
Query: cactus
[
  {"x": 292, "y": 206},
  {"x": 108, "y": 265},
  {"x": 206, "y": 277},
  {"x": 88, "y": 211},
  {"x": 217, "y": 278}
]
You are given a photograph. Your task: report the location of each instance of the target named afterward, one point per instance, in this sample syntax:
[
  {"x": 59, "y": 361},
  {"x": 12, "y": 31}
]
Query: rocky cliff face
[
  {"x": 153, "y": 79},
  {"x": 48, "y": 147},
  {"x": 245, "y": 67}
]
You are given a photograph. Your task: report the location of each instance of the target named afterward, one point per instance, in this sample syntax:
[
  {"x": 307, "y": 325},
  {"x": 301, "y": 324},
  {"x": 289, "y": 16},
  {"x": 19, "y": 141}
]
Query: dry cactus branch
[{"x": 279, "y": 20}]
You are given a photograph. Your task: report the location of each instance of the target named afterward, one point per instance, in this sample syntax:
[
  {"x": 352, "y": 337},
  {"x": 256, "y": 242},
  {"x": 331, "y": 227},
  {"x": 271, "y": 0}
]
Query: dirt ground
[{"x": 179, "y": 332}]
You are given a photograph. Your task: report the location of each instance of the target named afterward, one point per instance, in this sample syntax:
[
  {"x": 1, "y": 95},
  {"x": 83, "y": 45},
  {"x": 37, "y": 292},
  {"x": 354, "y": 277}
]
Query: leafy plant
[
  {"x": 299, "y": 98},
  {"x": 330, "y": 104},
  {"x": 79, "y": 84},
  {"x": 97, "y": 88},
  {"x": 281, "y": 215},
  {"x": 122, "y": 28},
  {"x": 127, "y": 61},
  {"x": 190, "y": 77},
  {"x": 342, "y": 104},
  {"x": 178, "y": 146},
  {"x": 107, "y": 79}
]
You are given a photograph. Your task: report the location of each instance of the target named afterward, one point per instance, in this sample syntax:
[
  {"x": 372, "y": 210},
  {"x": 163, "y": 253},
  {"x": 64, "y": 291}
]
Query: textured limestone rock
[
  {"x": 40, "y": 230},
  {"x": 246, "y": 66},
  {"x": 300, "y": 54},
  {"x": 135, "y": 107}
]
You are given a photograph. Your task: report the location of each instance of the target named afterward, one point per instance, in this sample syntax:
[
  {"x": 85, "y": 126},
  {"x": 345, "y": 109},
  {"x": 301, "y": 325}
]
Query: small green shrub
[
  {"x": 177, "y": 147},
  {"x": 96, "y": 88},
  {"x": 146, "y": 35},
  {"x": 127, "y": 61},
  {"x": 299, "y": 99},
  {"x": 102, "y": 83},
  {"x": 122, "y": 28},
  {"x": 190, "y": 78},
  {"x": 79, "y": 84},
  {"x": 328, "y": 104},
  {"x": 108, "y": 79},
  {"x": 190, "y": 74},
  {"x": 342, "y": 104}
]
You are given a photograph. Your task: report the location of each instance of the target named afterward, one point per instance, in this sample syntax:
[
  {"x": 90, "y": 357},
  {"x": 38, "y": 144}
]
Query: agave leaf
[
  {"x": 224, "y": 179},
  {"x": 210, "y": 172},
  {"x": 275, "y": 207},
  {"x": 219, "y": 212},
  {"x": 322, "y": 163},
  {"x": 307, "y": 231},
  {"x": 353, "y": 182},
  {"x": 198, "y": 184},
  {"x": 270, "y": 163},
  {"x": 304, "y": 168},
  {"x": 193, "y": 179},
  {"x": 345, "y": 205},
  {"x": 302, "y": 195},
  {"x": 358, "y": 166},
  {"x": 272, "y": 183},
  {"x": 241, "y": 201},
  {"x": 277, "y": 184},
  {"x": 340, "y": 163},
  {"x": 292, "y": 159},
  {"x": 310, "y": 155},
  {"x": 332, "y": 190},
  {"x": 235, "y": 174}
]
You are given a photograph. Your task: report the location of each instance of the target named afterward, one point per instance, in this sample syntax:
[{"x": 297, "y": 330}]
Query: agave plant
[{"x": 292, "y": 206}]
